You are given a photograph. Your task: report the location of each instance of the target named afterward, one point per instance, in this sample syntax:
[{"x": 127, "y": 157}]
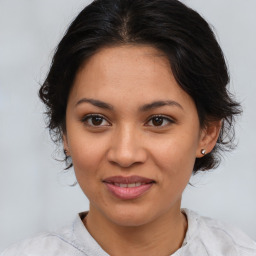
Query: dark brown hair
[{"x": 185, "y": 38}]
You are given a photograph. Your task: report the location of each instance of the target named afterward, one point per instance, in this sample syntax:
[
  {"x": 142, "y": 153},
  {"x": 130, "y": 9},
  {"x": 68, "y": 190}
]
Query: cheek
[
  {"x": 175, "y": 162},
  {"x": 176, "y": 155},
  {"x": 86, "y": 156},
  {"x": 86, "y": 160}
]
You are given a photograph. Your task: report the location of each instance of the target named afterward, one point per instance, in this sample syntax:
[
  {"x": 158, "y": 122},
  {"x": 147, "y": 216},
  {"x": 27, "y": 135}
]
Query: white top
[{"x": 204, "y": 237}]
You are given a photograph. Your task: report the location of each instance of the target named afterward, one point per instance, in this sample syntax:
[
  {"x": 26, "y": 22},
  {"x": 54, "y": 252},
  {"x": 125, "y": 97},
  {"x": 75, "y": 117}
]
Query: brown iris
[
  {"x": 96, "y": 120},
  {"x": 157, "y": 121}
]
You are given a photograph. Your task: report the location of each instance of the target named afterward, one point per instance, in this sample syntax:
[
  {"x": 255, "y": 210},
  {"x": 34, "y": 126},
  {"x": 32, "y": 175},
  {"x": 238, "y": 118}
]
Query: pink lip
[
  {"x": 127, "y": 193},
  {"x": 127, "y": 180}
]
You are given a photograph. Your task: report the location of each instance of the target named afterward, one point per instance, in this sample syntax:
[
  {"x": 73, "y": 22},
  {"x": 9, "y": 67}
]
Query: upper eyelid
[
  {"x": 92, "y": 115},
  {"x": 84, "y": 118},
  {"x": 87, "y": 116},
  {"x": 162, "y": 116},
  {"x": 169, "y": 120}
]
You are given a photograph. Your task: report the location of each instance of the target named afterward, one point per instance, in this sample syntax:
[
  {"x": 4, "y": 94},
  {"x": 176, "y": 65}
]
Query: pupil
[
  {"x": 96, "y": 120},
  {"x": 157, "y": 121}
]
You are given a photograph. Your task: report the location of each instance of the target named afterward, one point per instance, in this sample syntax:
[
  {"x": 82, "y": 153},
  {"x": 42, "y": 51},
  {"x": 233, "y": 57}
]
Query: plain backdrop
[{"x": 35, "y": 192}]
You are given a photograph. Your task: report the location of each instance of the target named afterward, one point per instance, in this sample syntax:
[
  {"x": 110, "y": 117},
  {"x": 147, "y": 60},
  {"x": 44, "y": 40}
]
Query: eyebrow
[
  {"x": 160, "y": 103},
  {"x": 144, "y": 108},
  {"x": 96, "y": 103}
]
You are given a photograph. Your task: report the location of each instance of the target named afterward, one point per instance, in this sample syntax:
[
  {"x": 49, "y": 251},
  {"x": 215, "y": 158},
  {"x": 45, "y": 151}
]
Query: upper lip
[{"x": 128, "y": 179}]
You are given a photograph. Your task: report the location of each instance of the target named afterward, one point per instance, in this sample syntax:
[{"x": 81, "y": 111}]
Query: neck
[{"x": 162, "y": 236}]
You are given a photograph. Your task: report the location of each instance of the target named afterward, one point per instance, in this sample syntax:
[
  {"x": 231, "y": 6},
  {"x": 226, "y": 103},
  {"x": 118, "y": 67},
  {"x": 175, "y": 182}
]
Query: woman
[{"x": 137, "y": 95}]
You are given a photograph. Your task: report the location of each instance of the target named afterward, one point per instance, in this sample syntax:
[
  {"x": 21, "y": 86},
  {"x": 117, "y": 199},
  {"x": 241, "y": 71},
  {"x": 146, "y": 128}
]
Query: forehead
[
  {"x": 132, "y": 73},
  {"x": 116, "y": 62}
]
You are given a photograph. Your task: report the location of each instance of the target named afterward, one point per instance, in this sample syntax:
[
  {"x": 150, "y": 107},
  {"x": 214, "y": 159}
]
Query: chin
[
  {"x": 131, "y": 217},
  {"x": 130, "y": 221}
]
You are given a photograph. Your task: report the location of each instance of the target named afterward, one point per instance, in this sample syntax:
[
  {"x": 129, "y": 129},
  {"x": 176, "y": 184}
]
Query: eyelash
[
  {"x": 164, "y": 118},
  {"x": 86, "y": 119},
  {"x": 90, "y": 116}
]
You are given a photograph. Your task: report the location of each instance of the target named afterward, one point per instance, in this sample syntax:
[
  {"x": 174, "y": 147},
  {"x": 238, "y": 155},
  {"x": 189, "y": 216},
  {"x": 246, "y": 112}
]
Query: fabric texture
[{"x": 204, "y": 237}]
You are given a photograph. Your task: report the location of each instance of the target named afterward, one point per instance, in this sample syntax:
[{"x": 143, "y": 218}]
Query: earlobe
[
  {"x": 208, "y": 138},
  {"x": 203, "y": 152},
  {"x": 65, "y": 145}
]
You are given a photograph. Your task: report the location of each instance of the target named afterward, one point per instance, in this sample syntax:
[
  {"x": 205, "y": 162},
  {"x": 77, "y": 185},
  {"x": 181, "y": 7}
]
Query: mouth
[{"x": 127, "y": 188}]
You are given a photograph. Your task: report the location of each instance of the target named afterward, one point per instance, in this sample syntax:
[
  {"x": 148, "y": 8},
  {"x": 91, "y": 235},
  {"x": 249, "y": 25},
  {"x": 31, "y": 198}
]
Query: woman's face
[{"x": 133, "y": 134}]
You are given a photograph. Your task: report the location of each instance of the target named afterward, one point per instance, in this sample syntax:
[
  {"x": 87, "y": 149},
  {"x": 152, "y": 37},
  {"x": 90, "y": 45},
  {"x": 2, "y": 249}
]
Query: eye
[
  {"x": 159, "y": 121},
  {"x": 95, "y": 120}
]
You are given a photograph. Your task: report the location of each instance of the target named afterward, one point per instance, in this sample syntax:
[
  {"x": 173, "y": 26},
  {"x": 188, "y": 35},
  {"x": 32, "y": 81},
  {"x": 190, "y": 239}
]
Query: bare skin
[
  {"x": 149, "y": 239},
  {"x": 126, "y": 116}
]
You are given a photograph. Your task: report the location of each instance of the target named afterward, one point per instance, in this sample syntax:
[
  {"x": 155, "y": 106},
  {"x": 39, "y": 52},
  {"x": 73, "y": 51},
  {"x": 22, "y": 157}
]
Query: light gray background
[{"x": 34, "y": 192}]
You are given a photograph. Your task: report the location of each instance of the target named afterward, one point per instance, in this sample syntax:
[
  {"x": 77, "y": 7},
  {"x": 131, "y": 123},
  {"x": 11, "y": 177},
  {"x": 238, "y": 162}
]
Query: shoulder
[
  {"x": 219, "y": 238},
  {"x": 68, "y": 241},
  {"x": 50, "y": 244}
]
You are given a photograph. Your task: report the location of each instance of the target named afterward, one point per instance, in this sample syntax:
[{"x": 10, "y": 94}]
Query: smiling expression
[{"x": 133, "y": 134}]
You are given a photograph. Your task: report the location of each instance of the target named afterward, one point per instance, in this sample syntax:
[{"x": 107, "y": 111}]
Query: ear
[
  {"x": 208, "y": 137},
  {"x": 65, "y": 144}
]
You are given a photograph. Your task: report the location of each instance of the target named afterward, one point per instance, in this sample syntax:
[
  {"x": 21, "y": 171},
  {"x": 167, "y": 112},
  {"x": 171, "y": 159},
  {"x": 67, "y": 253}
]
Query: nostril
[{"x": 126, "y": 156}]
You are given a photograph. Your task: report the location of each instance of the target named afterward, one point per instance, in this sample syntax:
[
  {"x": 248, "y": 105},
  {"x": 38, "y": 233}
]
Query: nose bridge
[{"x": 126, "y": 146}]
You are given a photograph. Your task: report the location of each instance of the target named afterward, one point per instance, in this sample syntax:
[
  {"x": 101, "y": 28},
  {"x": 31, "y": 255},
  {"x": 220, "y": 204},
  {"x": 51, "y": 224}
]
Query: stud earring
[
  {"x": 203, "y": 152},
  {"x": 65, "y": 152}
]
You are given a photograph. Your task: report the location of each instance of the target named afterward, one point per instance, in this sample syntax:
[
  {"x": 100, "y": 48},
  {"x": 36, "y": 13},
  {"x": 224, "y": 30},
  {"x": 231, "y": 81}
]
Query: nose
[{"x": 126, "y": 148}]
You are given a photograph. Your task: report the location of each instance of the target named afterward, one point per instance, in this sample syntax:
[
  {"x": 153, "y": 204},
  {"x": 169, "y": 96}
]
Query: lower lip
[{"x": 128, "y": 193}]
